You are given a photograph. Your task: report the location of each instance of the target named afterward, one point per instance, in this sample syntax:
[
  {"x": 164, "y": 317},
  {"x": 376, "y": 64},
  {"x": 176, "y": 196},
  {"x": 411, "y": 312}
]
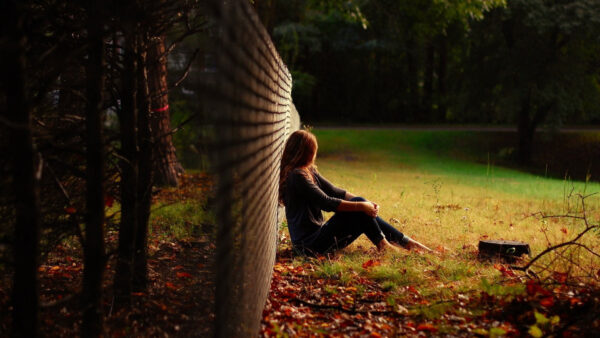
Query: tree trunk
[
  {"x": 70, "y": 80},
  {"x": 94, "y": 258},
  {"x": 525, "y": 132},
  {"x": 442, "y": 71},
  {"x": 129, "y": 176},
  {"x": 428, "y": 85},
  {"x": 166, "y": 167},
  {"x": 26, "y": 176},
  {"x": 413, "y": 80},
  {"x": 140, "y": 265}
]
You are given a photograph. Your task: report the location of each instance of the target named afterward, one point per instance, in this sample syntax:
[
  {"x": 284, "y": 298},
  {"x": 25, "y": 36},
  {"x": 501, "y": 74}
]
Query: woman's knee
[{"x": 358, "y": 199}]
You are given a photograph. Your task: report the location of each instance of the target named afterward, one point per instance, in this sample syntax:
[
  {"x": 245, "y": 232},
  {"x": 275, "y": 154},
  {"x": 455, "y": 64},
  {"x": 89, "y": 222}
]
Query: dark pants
[{"x": 344, "y": 227}]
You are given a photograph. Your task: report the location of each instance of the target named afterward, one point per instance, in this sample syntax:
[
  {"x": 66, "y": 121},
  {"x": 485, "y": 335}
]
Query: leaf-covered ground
[
  {"x": 448, "y": 205},
  {"x": 303, "y": 303},
  {"x": 178, "y": 302}
]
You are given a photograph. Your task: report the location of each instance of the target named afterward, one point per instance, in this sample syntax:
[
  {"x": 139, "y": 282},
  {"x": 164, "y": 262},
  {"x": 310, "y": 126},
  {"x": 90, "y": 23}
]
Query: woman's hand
[{"x": 369, "y": 208}]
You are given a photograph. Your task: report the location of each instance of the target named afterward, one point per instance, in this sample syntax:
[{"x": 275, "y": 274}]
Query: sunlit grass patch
[
  {"x": 333, "y": 270},
  {"x": 181, "y": 219}
]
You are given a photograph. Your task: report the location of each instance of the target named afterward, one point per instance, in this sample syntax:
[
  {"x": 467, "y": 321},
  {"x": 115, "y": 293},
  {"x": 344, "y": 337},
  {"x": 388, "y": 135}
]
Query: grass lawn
[
  {"x": 443, "y": 201},
  {"x": 448, "y": 198}
]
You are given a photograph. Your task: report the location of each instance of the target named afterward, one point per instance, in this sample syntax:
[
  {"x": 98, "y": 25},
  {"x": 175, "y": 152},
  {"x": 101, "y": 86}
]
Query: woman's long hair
[{"x": 299, "y": 152}]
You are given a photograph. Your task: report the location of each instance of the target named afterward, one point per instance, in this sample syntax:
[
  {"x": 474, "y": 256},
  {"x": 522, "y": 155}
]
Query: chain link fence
[{"x": 253, "y": 114}]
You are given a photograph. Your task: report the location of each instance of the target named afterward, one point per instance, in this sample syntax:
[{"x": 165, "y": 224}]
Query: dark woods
[
  {"x": 520, "y": 62},
  {"x": 84, "y": 124}
]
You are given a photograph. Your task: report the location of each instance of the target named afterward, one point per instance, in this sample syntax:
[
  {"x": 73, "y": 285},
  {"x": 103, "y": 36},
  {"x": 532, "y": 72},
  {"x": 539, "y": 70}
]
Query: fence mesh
[{"x": 253, "y": 114}]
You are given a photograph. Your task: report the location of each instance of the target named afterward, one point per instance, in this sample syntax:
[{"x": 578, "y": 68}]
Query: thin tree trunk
[
  {"x": 140, "y": 264},
  {"x": 70, "y": 80},
  {"x": 94, "y": 258},
  {"x": 129, "y": 177},
  {"x": 525, "y": 131},
  {"x": 25, "y": 293},
  {"x": 167, "y": 168},
  {"x": 442, "y": 71},
  {"x": 428, "y": 85},
  {"x": 413, "y": 80}
]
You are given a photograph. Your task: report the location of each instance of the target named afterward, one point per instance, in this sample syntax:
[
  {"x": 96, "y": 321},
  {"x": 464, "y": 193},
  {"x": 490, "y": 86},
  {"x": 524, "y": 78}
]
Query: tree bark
[
  {"x": 428, "y": 83},
  {"x": 525, "y": 130},
  {"x": 70, "y": 80},
  {"x": 26, "y": 175},
  {"x": 441, "y": 73},
  {"x": 94, "y": 258},
  {"x": 129, "y": 176},
  {"x": 140, "y": 264},
  {"x": 166, "y": 167},
  {"x": 413, "y": 80}
]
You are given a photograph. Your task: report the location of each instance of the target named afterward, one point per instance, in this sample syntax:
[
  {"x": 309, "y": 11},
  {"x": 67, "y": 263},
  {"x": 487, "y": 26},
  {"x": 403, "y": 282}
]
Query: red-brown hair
[{"x": 299, "y": 152}]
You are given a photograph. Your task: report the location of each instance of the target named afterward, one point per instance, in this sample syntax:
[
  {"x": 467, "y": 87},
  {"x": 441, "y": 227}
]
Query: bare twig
[
  {"x": 187, "y": 69},
  {"x": 572, "y": 242}
]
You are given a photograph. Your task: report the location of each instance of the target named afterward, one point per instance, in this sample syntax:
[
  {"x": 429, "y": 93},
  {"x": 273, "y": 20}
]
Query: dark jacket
[{"x": 304, "y": 201}]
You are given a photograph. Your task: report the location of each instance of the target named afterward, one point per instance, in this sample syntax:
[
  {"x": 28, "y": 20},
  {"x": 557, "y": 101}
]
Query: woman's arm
[
  {"x": 367, "y": 207},
  {"x": 328, "y": 187},
  {"x": 312, "y": 192}
]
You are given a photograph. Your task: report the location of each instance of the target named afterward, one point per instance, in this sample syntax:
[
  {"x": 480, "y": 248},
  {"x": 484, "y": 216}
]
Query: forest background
[
  {"x": 91, "y": 118},
  {"x": 521, "y": 63}
]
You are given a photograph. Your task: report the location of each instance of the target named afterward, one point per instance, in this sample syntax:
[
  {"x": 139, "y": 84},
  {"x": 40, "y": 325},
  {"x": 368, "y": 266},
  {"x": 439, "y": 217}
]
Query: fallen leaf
[
  {"x": 183, "y": 275},
  {"x": 427, "y": 327},
  {"x": 412, "y": 289},
  {"x": 171, "y": 286},
  {"x": 370, "y": 263},
  {"x": 533, "y": 288},
  {"x": 70, "y": 210},
  {"x": 540, "y": 318},
  {"x": 109, "y": 201},
  {"x": 535, "y": 331},
  {"x": 547, "y": 302},
  {"x": 506, "y": 272},
  {"x": 441, "y": 249},
  {"x": 575, "y": 301},
  {"x": 560, "y": 277},
  {"x": 401, "y": 309}
]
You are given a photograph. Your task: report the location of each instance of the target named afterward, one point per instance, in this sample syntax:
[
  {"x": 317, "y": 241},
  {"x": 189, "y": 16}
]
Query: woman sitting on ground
[{"x": 305, "y": 193}]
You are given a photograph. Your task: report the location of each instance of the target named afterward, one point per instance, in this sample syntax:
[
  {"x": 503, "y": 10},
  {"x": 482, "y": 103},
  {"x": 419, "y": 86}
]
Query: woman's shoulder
[{"x": 299, "y": 173}]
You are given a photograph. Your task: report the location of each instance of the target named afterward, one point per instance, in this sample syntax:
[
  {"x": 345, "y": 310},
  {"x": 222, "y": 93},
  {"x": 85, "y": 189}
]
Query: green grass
[
  {"x": 456, "y": 155},
  {"x": 181, "y": 219},
  {"x": 433, "y": 187}
]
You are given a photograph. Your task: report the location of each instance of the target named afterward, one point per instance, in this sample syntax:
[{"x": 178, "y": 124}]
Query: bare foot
[
  {"x": 416, "y": 246},
  {"x": 384, "y": 245}
]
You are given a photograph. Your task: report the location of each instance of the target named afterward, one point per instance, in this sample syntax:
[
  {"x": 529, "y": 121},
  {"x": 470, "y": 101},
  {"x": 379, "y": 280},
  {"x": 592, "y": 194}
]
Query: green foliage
[
  {"x": 487, "y": 61},
  {"x": 543, "y": 65}
]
